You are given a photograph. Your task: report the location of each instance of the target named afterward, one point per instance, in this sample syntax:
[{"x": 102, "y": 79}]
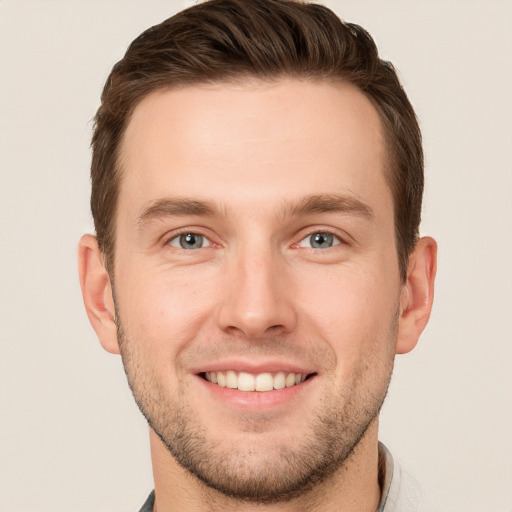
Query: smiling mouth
[{"x": 261, "y": 382}]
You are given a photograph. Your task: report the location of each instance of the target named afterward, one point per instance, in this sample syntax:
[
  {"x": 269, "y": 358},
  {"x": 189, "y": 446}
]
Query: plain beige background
[{"x": 71, "y": 438}]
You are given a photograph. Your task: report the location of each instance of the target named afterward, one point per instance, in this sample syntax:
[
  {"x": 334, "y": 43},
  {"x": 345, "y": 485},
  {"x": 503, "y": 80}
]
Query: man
[{"x": 257, "y": 178}]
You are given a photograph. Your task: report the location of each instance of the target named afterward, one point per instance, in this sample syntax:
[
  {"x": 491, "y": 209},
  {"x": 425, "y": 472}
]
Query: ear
[
  {"x": 97, "y": 292},
  {"x": 417, "y": 294}
]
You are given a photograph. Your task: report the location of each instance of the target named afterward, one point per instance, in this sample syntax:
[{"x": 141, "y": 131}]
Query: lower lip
[{"x": 257, "y": 400}]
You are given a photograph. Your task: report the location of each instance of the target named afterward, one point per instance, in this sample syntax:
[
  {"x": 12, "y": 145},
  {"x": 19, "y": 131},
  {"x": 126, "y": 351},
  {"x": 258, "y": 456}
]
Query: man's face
[{"x": 256, "y": 248}]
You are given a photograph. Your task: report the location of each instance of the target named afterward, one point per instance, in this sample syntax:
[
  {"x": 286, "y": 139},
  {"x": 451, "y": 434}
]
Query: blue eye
[
  {"x": 189, "y": 241},
  {"x": 320, "y": 240}
]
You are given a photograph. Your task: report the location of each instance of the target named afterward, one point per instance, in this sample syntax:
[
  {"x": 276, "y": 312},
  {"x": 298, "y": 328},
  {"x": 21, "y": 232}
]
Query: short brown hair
[{"x": 223, "y": 40}]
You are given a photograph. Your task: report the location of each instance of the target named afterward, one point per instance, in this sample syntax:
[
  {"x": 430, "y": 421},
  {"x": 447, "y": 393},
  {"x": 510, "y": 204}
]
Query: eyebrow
[
  {"x": 176, "y": 207},
  {"x": 326, "y": 203},
  {"x": 309, "y": 205}
]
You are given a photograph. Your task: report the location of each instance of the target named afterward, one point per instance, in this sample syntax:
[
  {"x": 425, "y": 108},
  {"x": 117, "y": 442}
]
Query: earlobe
[
  {"x": 417, "y": 294},
  {"x": 97, "y": 293}
]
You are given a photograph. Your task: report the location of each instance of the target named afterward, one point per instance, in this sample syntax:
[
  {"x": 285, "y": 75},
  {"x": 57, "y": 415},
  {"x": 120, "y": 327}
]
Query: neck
[{"x": 354, "y": 487}]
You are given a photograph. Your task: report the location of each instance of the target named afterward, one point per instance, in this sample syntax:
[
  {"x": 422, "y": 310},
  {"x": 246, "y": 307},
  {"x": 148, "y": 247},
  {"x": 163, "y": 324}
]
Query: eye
[
  {"x": 189, "y": 241},
  {"x": 320, "y": 240}
]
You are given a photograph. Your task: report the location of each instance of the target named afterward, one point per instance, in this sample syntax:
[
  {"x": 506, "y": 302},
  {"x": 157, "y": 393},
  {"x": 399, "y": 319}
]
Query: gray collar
[{"x": 386, "y": 469}]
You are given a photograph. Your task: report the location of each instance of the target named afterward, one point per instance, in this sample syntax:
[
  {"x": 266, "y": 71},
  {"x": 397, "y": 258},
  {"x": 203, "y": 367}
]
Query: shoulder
[
  {"x": 400, "y": 490},
  {"x": 148, "y": 505}
]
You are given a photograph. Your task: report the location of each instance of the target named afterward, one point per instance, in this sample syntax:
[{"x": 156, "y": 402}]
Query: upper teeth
[{"x": 261, "y": 382}]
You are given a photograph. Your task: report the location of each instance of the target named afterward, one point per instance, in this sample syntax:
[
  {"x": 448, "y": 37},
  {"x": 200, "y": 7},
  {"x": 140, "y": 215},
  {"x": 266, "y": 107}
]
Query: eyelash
[
  {"x": 185, "y": 232},
  {"x": 337, "y": 239}
]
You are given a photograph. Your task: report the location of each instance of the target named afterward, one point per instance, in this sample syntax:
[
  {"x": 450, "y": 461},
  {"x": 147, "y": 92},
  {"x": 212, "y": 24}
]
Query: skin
[{"x": 256, "y": 169}]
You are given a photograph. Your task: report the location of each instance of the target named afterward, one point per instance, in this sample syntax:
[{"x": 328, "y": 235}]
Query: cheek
[
  {"x": 165, "y": 309},
  {"x": 354, "y": 312}
]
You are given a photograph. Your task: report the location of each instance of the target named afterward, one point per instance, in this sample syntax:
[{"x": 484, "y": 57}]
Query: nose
[{"x": 257, "y": 300}]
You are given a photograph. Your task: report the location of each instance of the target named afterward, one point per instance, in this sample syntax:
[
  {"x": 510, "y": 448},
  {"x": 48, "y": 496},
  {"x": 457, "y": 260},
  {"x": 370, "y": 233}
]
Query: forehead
[{"x": 237, "y": 143}]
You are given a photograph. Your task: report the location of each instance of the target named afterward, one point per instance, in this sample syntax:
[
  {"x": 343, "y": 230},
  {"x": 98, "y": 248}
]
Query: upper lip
[{"x": 254, "y": 367}]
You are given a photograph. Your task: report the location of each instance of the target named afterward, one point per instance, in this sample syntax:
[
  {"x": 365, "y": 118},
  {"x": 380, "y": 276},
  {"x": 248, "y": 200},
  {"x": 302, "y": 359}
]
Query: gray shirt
[{"x": 400, "y": 491}]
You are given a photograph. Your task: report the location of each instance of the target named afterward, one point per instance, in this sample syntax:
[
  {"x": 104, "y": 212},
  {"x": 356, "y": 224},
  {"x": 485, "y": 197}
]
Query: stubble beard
[{"x": 247, "y": 473}]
